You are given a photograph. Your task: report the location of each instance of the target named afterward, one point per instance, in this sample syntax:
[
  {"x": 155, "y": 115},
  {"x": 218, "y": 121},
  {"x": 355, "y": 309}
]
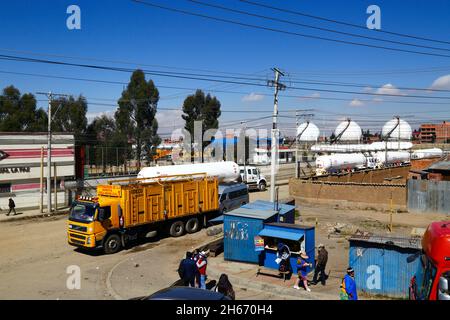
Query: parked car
[
  {"x": 232, "y": 196},
  {"x": 184, "y": 293}
]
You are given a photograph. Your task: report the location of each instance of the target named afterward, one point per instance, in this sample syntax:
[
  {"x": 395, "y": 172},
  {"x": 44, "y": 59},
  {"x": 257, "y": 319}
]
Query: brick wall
[{"x": 357, "y": 195}]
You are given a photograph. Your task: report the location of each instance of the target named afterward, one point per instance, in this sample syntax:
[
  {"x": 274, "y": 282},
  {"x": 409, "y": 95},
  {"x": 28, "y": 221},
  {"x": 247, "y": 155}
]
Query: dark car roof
[{"x": 186, "y": 293}]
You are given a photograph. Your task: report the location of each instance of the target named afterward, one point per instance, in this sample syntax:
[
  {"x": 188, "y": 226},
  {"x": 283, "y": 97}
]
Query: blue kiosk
[{"x": 297, "y": 237}]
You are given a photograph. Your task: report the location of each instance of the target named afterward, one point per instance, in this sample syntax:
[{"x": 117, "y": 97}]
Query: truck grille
[
  {"x": 77, "y": 241},
  {"x": 77, "y": 236}
]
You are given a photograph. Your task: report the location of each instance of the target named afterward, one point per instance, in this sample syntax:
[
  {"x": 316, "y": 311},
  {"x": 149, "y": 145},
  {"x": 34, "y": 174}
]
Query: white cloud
[
  {"x": 390, "y": 90},
  {"x": 169, "y": 120},
  {"x": 92, "y": 115},
  {"x": 441, "y": 83},
  {"x": 315, "y": 95},
  {"x": 356, "y": 103},
  {"x": 252, "y": 97}
]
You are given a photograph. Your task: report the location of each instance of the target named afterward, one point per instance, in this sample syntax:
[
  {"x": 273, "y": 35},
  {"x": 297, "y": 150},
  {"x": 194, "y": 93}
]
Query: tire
[
  {"x": 112, "y": 244},
  {"x": 262, "y": 186},
  {"x": 177, "y": 229},
  {"x": 192, "y": 225}
]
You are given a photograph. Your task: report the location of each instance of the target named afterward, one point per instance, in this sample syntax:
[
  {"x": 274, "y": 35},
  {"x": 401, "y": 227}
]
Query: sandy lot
[{"x": 34, "y": 254}]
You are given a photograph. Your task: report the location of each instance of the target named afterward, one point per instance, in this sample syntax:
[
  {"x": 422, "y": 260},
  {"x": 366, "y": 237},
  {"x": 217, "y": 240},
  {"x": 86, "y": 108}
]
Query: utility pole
[
  {"x": 274, "y": 147},
  {"x": 50, "y": 96},
  {"x": 244, "y": 129},
  {"x": 49, "y": 154}
]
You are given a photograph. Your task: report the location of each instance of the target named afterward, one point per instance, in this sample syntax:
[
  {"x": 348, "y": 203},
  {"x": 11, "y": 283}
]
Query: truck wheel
[
  {"x": 262, "y": 186},
  {"x": 192, "y": 225},
  {"x": 112, "y": 244},
  {"x": 177, "y": 229}
]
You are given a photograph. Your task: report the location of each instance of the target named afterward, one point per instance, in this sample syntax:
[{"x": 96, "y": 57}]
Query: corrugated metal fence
[{"x": 426, "y": 196}]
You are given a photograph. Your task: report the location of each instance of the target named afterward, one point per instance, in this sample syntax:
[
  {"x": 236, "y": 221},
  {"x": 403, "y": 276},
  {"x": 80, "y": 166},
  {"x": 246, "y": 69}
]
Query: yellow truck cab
[{"x": 123, "y": 212}]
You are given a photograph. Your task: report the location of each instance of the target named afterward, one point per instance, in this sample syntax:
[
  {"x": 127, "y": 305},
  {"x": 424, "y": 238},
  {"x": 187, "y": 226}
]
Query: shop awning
[{"x": 281, "y": 234}]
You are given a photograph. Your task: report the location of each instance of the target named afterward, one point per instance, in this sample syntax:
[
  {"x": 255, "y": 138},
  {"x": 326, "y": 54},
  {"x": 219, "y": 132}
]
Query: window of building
[{"x": 5, "y": 188}]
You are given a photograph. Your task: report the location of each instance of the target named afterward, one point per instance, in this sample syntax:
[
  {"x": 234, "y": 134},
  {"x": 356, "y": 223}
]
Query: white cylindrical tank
[
  {"x": 390, "y": 157},
  {"x": 397, "y": 129},
  {"x": 335, "y": 162},
  {"x": 226, "y": 171},
  {"x": 348, "y": 131},
  {"x": 308, "y": 132},
  {"x": 427, "y": 153}
]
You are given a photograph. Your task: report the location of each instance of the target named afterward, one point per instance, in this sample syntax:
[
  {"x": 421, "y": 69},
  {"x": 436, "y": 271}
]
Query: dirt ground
[
  {"x": 34, "y": 254},
  {"x": 328, "y": 218}
]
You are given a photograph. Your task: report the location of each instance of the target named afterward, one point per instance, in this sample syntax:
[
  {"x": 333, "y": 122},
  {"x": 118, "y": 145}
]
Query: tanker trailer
[
  {"x": 225, "y": 171},
  {"x": 338, "y": 162},
  {"x": 392, "y": 158},
  {"x": 427, "y": 153}
]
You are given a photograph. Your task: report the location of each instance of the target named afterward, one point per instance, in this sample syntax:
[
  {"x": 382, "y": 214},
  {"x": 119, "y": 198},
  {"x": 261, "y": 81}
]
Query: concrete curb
[{"x": 33, "y": 217}]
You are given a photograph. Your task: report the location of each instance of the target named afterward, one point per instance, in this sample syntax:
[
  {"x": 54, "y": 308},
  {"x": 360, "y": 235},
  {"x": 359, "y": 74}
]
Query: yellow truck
[{"x": 124, "y": 212}]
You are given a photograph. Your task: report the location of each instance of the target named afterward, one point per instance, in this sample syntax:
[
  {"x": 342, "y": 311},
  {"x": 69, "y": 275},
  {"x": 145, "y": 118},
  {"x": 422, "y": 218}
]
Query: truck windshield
[
  {"x": 424, "y": 278},
  {"x": 82, "y": 212}
]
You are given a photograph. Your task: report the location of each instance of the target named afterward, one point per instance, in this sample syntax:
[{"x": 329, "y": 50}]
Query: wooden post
[
  {"x": 56, "y": 188},
  {"x": 391, "y": 211},
  {"x": 41, "y": 183}
]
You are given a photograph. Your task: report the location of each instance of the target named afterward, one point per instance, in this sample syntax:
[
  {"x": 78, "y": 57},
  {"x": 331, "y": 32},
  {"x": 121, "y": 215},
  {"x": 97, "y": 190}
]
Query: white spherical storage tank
[
  {"x": 348, "y": 131},
  {"x": 397, "y": 129},
  {"x": 308, "y": 132},
  {"x": 333, "y": 162},
  {"x": 226, "y": 171}
]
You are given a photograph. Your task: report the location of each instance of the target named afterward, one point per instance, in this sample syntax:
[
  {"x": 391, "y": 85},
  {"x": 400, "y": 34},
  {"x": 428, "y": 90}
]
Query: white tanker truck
[
  {"x": 356, "y": 161},
  {"x": 226, "y": 171}
]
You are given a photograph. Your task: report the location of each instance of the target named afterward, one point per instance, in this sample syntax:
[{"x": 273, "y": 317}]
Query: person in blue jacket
[{"x": 349, "y": 285}]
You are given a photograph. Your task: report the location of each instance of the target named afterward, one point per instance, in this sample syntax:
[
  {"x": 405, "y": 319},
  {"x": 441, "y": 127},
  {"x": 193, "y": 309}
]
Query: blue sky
[{"x": 140, "y": 35}]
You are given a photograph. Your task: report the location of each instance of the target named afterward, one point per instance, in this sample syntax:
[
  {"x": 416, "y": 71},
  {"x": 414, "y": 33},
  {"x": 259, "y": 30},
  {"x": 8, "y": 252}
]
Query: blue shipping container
[
  {"x": 384, "y": 265},
  {"x": 240, "y": 226}
]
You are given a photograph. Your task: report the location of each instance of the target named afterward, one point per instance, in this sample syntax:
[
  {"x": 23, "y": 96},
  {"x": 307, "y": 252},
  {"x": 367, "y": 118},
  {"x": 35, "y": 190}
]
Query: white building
[{"x": 20, "y": 167}]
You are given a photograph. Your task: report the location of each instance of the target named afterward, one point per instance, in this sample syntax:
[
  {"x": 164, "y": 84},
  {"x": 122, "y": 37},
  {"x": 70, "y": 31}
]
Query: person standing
[
  {"x": 195, "y": 257},
  {"x": 348, "y": 286},
  {"x": 12, "y": 207},
  {"x": 201, "y": 265},
  {"x": 187, "y": 270},
  {"x": 225, "y": 287},
  {"x": 302, "y": 271},
  {"x": 322, "y": 259}
]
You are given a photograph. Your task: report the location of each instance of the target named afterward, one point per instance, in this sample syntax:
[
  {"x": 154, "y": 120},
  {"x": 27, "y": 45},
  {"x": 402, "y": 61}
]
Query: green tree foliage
[
  {"x": 69, "y": 115},
  {"x": 104, "y": 145},
  {"x": 198, "y": 107},
  {"x": 135, "y": 117},
  {"x": 18, "y": 112}
]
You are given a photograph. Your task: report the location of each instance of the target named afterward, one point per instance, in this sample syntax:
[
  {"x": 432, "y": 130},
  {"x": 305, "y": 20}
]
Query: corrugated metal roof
[
  {"x": 267, "y": 205},
  {"x": 443, "y": 166},
  {"x": 281, "y": 234},
  {"x": 401, "y": 242},
  {"x": 252, "y": 213},
  {"x": 289, "y": 225}
]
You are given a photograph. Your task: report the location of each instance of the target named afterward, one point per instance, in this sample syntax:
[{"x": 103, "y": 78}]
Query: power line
[
  {"x": 314, "y": 27},
  {"x": 201, "y": 77},
  {"x": 341, "y": 22},
  {"x": 287, "y": 32}
]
